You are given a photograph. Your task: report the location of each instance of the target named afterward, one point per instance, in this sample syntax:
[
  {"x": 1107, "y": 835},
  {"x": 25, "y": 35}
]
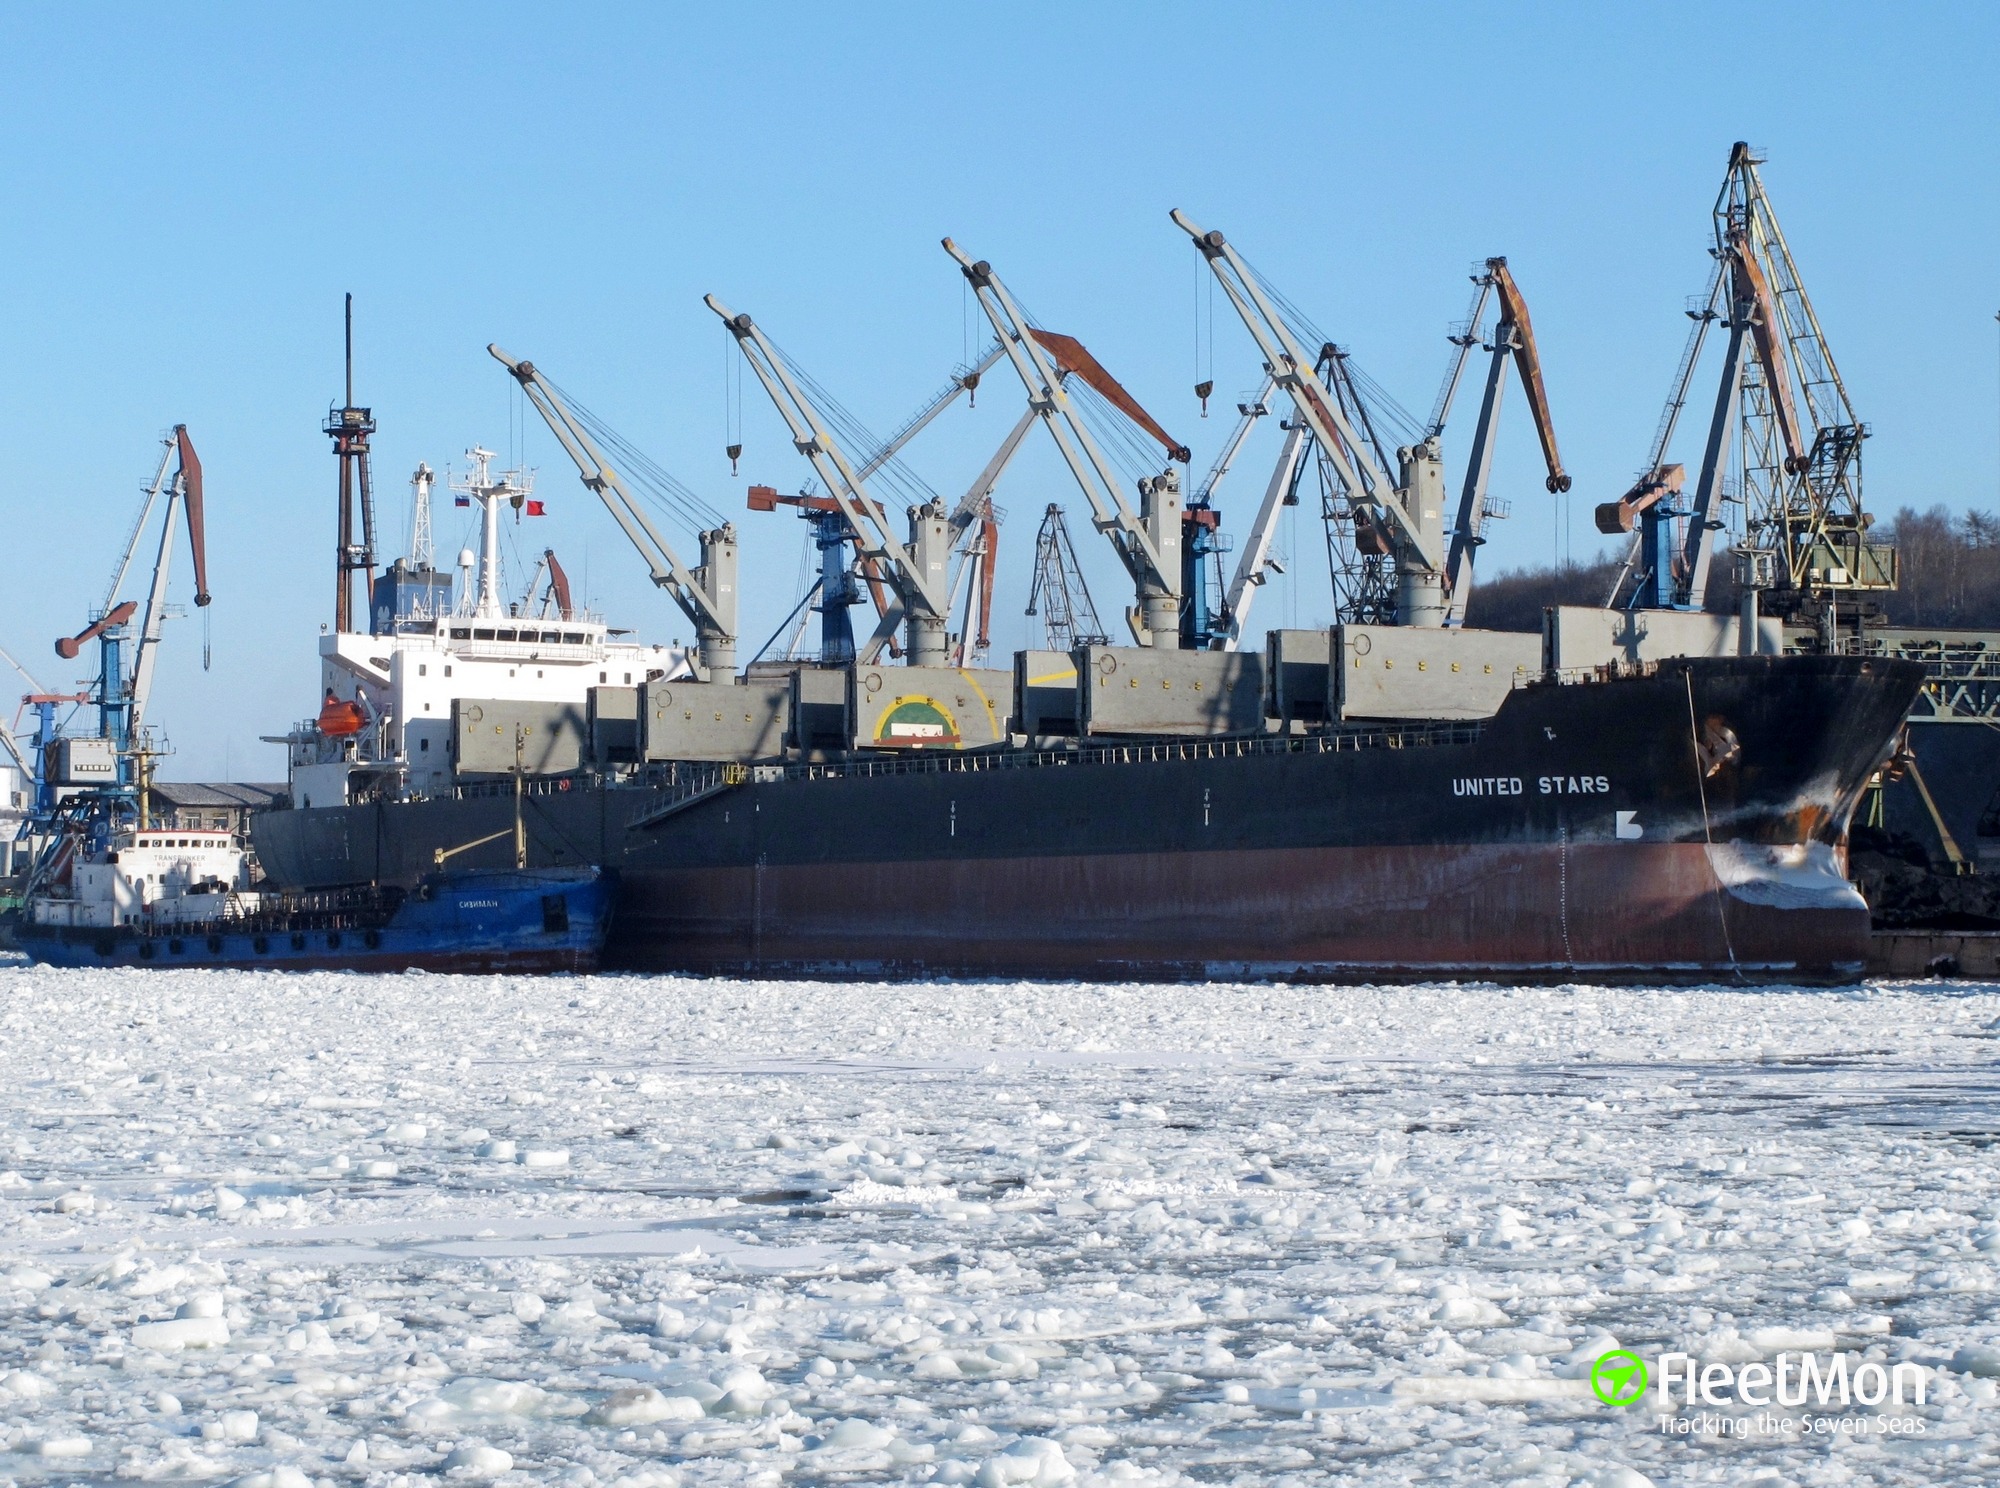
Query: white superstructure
[
  {"x": 179, "y": 877},
  {"x": 402, "y": 679}
]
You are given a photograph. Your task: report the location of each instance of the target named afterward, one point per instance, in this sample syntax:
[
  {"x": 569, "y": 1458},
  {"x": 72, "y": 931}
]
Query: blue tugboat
[{"x": 179, "y": 898}]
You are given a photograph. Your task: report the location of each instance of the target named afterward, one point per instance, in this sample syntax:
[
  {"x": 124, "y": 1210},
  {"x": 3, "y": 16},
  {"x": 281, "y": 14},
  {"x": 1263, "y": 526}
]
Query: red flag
[{"x": 535, "y": 509}]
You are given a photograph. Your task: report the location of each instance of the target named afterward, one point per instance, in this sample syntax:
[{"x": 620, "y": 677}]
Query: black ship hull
[{"x": 1686, "y": 825}]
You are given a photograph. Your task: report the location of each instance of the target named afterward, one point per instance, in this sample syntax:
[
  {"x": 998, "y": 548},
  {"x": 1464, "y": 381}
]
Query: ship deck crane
[
  {"x": 1255, "y": 564},
  {"x": 1148, "y": 541},
  {"x": 975, "y": 535},
  {"x": 973, "y": 546},
  {"x": 916, "y": 573},
  {"x": 976, "y": 521},
  {"x": 1402, "y": 520},
  {"x": 706, "y": 593}
]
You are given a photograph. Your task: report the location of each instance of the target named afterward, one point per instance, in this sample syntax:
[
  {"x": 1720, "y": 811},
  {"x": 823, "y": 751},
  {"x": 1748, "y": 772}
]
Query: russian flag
[{"x": 461, "y": 501}]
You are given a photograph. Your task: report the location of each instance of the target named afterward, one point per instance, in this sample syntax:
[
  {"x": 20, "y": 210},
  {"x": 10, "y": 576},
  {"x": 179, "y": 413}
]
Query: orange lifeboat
[{"x": 338, "y": 719}]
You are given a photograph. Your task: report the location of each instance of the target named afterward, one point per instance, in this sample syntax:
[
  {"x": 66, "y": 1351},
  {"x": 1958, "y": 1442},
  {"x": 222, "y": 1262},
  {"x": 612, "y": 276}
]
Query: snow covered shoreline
[{"x": 344, "y": 1229}]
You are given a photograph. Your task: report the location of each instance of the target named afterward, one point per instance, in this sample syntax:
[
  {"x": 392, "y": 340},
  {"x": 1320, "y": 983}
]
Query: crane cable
[{"x": 656, "y": 484}]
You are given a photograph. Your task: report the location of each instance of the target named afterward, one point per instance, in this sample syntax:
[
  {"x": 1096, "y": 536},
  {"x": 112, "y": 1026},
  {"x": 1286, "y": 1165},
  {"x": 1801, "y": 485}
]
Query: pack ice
[{"x": 289, "y": 1230}]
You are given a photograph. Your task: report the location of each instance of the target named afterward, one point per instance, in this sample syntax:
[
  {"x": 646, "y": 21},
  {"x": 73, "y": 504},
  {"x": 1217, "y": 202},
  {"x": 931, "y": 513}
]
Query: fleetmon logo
[{"x": 1619, "y": 1377}]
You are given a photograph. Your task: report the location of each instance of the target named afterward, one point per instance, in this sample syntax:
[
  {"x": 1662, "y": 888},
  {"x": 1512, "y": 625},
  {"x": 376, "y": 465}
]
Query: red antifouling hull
[{"x": 1361, "y": 913}]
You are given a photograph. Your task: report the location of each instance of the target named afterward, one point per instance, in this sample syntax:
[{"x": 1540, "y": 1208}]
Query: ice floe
[{"x": 661, "y": 1233}]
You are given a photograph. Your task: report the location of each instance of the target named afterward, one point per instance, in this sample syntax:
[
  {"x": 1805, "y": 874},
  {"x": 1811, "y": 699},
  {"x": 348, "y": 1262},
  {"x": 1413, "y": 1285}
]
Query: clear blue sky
[{"x": 189, "y": 195}]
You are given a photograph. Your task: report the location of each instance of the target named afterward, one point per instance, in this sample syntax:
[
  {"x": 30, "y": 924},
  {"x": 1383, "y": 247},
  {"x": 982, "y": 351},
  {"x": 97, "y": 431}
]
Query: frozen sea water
[{"x": 278, "y": 1230}]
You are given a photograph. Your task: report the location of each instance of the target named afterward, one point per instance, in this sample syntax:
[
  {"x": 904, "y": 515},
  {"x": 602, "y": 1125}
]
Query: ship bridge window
[
  {"x": 551, "y": 638},
  {"x": 570, "y": 638},
  {"x": 482, "y": 635},
  {"x": 505, "y": 635},
  {"x": 461, "y": 633}
]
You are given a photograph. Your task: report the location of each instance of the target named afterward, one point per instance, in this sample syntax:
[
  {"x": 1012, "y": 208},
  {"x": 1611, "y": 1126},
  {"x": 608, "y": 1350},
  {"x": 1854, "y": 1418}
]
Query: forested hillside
[{"x": 1950, "y": 576}]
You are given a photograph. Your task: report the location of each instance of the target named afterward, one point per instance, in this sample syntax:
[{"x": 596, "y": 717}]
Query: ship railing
[
  {"x": 686, "y": 782},
  {"x": 503, "y": 785},
  {"x": 1612, "y": 671},
  {"x": 353, "y": 908},
  {"x": 528, "y": 650},
  {"x": 1961, "y": 671}
]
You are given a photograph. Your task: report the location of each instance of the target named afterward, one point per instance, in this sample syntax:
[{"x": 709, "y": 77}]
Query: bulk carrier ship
[{"x": 1396, "y": 795}]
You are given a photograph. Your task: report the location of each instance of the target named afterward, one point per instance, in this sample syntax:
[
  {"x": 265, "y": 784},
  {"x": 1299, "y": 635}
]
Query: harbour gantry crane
[
  {"x": 1148, "y": 541},
  {"x": 1058, "y": 593},
  {"x": 122, "y": 700},
  {"x": 122, "y": 696},
  {"x": 706, "y": 593},
  {"x": 1401, "y": 521},
  {"x": 916, "y": 573},
  {"x": 835, "y": 591},
  {"x": 1797, "y": 442},
  {"x": 1513, "y": 341}
]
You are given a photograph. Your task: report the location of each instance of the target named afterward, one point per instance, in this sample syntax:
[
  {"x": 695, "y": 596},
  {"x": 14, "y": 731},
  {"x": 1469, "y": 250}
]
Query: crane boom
[
  {"x": 1753, "y": 323},
  {"x": 1623, "y": 515},
  {"x": 185, "y": 491},
  {"x": 153, "y": 489},
  {"x": 1148, "y": 541},
  {"x": 706, "y": 594},
  {"x": 1291, "y": 367},
  {"x": 1513, "y": 341},
  {"x": 1255, "y": 560},
  {"x": 965, "y": 382},
  {"x": 1464, "y": 341},
  {"x": 1401, "y": 516},
  {"x": 1247, "y": 416},
  {"x": 1528, "y": 362},
  {"x": 916, "y": 573}
]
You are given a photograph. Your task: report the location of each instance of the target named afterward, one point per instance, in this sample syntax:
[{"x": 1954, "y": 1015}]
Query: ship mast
[
  {"x": 481, "y": 485},
  {"x": 349, "y": 428}
]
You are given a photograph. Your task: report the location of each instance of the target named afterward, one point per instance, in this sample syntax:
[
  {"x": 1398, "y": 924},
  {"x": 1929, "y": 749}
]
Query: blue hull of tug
[{"x": 533, "y": 920}]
